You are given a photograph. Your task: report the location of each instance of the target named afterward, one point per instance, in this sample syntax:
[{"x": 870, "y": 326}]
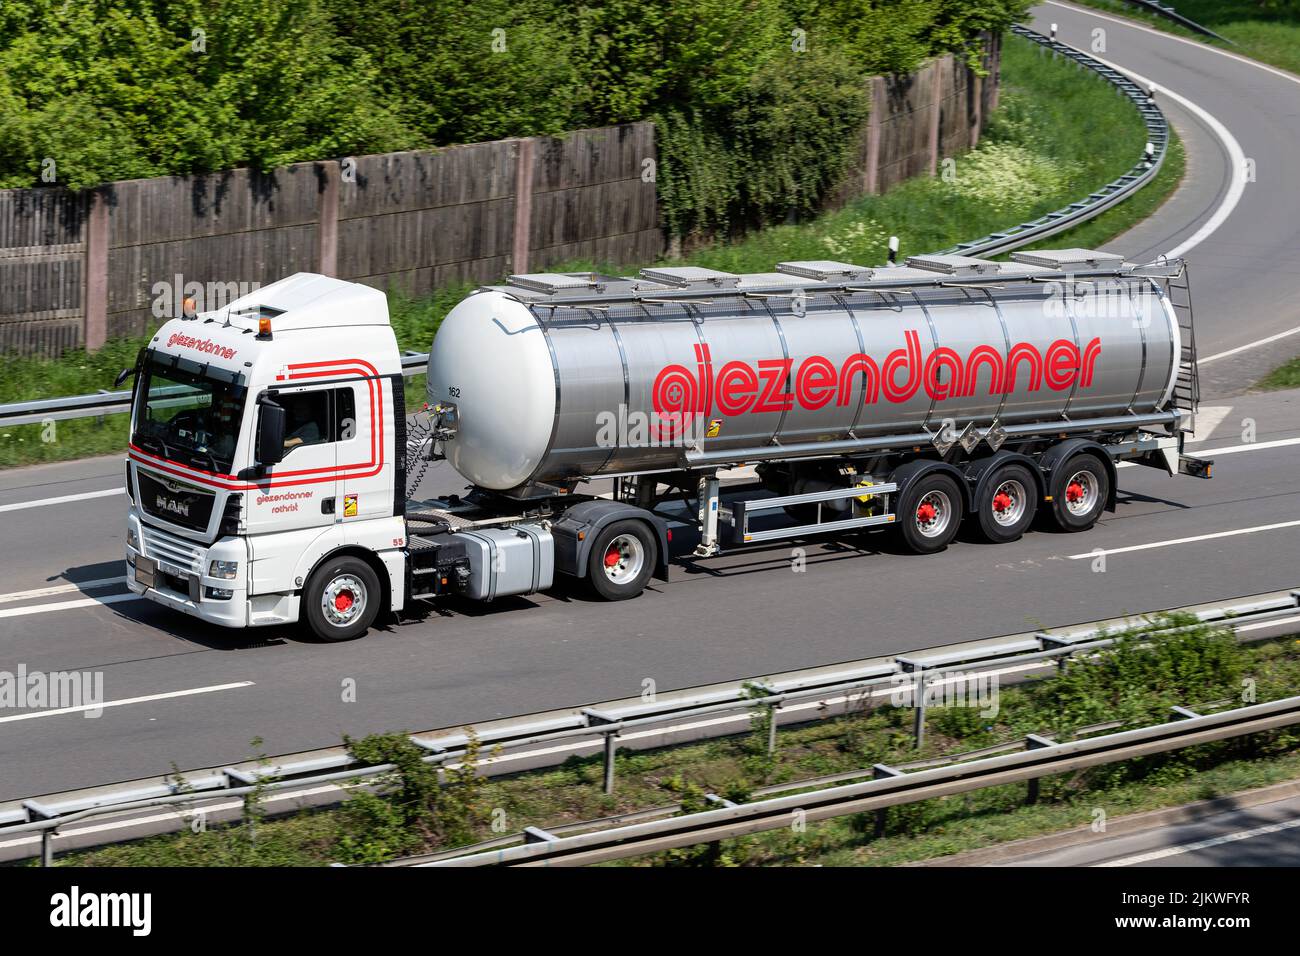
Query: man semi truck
[{"x": 271, "y": 459}]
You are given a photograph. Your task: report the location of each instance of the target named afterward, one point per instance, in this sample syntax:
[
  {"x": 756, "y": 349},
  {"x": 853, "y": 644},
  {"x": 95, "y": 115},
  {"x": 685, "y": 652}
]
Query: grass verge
[
  {"x": 1035, "y": 157},
  {"x": 1285, "y": 376},
  {"x": 1136, "y": 685}
]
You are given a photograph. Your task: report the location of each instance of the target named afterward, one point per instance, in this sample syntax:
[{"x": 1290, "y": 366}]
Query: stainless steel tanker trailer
[
  {"x": 912, "y": 397},
  {"x": 592, "y": 414}
]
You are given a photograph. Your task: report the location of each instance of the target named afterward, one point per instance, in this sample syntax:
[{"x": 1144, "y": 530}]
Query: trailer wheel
[
  {"x": 341, "y": 599},
  {"x": 1006, "y": 505},
  {"x": 1079, "y": 489},
  {"x": 930, "y": 514},
  {"x": 623, "y": 557}
]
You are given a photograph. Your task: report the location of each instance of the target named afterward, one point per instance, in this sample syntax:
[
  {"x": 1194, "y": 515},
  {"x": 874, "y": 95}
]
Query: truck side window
[
  {"x": 312, "y": 418},
  {"x": 306, "y": 418}
]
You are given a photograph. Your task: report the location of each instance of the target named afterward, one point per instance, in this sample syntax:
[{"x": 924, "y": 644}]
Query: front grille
[
  {"x": 176, "y": 502},
  {"x": 162, "y": 546}
]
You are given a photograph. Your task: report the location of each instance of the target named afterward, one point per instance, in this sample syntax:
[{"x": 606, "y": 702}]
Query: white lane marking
[
  {"x": 1236, "y": 159},
  {"x": 1249, "y": 345},
  {"x": 69, "y": 605},
  {"x": 1172, "y": 541},
  {"x": 1208, "y": 418},
  {"x": 1258, "y": 625},
  {"x": 1170, "y": 36},
  {"x": 62, "y": 499},
  {"x": 1201, "y": 844},
  {"x": 1249, "y": 446},
  {"x": 59, "y": 589},
  {"x": 212, "y": 689}
]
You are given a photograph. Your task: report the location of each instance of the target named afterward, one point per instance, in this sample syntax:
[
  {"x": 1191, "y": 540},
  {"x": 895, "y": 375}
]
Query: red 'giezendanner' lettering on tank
[{"x": 775, "y": 385}]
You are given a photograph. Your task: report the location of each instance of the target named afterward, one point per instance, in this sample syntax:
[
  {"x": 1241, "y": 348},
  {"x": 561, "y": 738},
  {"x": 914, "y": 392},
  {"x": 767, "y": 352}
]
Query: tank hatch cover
[
  {"x": 823, "y": 270},
  {"x": 685, "y": 277},
  {"x": 550, "y": 283},
  {"x": 768, "y": 280},
  {"x": 1066, "y": 259},
  {"x": 955, "y": 265}
]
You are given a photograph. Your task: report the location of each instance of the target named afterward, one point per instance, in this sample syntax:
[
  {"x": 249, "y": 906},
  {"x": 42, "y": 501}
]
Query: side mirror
[
  {"x": 126, "y": 373},
  {"x": 270, "y": 430}
]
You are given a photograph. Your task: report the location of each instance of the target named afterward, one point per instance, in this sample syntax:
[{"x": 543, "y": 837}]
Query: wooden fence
[{"x": 78, "y": 268}]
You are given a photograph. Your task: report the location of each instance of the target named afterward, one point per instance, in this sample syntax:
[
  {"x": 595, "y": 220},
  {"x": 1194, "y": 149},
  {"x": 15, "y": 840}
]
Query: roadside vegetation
[
  {"x": 1136, "y": 684},
  {"x": 1285, "y": 376},
  {"x": 1034, "y": 158}
]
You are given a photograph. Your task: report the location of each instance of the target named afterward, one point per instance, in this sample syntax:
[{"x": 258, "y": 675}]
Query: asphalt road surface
[
  {"x": 1265, "y": 835},
  {"x": 193, "y": 695}
]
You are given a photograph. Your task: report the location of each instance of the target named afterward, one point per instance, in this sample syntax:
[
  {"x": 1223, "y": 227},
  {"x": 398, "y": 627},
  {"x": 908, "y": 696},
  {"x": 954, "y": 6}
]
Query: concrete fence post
[
  {"x": 327, "y": 228},
  {"x": 874, "y": 120},
  {"x": 95, "y": 296},
  {"x": 525, "y": 161},
  {"x": 935, "y": 69}
]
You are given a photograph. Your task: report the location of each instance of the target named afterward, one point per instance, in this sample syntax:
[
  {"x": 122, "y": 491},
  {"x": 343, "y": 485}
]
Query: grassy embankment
[
  {"x": 1203, "y": 668},
  {"x": 1035, "y": 157}
]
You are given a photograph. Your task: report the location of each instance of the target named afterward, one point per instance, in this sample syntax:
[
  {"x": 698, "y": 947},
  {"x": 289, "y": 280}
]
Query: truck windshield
[{"x": 189, "y": 413}]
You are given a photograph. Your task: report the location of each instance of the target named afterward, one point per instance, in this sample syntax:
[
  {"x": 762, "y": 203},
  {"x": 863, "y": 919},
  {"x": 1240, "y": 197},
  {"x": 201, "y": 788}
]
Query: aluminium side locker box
[{"x": 502, "y": 561}]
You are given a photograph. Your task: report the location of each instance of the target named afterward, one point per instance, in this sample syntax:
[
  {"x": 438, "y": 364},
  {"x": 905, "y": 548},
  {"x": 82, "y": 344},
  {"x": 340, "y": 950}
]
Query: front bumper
[{"x": 182, "y": 582}]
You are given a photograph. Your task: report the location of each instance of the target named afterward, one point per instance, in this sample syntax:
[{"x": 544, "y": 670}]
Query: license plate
[{"x": 146, "y": 570}]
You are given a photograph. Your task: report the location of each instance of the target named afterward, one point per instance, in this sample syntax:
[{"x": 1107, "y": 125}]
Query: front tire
[
  {"x": 341, "y": 599},
  {"x": 623, "y": 557},
  {"x": 930, "y": 514}
]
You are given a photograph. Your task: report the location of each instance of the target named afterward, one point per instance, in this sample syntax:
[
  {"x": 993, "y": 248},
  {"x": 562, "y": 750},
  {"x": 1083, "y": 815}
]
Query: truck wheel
[
  {"x": 341, "y": 599},
  {"x": 1007, "y": 504},
  {"x": 623, "y": 557},
  {"x": 930, "y": 514},
  {"x": 1079, "y": 489}
]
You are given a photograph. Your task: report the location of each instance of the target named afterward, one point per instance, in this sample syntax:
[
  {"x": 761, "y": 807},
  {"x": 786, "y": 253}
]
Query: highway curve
[{"x": 194, "y": 695}]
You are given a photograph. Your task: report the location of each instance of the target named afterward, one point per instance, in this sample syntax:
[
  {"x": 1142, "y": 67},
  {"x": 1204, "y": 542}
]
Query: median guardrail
[
  {"x": 1169, "y": 13},
  {"x": 1041, "y": 757}
]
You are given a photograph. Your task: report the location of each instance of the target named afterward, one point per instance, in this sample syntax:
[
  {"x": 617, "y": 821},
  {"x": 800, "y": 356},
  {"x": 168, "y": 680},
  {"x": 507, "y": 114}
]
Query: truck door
[{"x": 300, "y": 491}]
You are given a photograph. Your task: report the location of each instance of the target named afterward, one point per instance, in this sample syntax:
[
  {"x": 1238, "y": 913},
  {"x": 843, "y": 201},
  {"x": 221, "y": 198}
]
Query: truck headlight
[
  {"x": 132, "y": 539},
  {"x": 223, "y": 569}
]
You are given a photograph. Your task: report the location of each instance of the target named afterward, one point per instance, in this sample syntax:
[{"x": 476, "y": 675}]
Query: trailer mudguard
[
  {"x": 907, "y": 474},
  {"x": 577, "y": 528},
  {"x": 1061, "y": 451}
]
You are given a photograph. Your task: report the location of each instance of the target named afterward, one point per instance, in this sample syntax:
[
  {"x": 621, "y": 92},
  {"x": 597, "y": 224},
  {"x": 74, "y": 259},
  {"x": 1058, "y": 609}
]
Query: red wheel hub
[
  {"x": 1001, "y": 501},
  {"x": 1074, "y": 492},
  {"x": 926, "y": 513},
  {"x": 342, "y": 600},
  {"x": 612, "y": 557}
]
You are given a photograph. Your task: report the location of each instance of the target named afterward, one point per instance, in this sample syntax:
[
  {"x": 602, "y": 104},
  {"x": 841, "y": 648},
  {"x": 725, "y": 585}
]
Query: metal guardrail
[
  {"x": 414, "y": 363},
  {"x": 807, "y": 694},
  {"x": 1107, "y": 196},
  {"x": 1169, "y": 13},
  {"x": 1042, "y": 757}
]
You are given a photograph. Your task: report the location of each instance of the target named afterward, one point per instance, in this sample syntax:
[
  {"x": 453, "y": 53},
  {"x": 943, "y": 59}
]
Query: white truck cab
[{"x": 264, "y": 450}]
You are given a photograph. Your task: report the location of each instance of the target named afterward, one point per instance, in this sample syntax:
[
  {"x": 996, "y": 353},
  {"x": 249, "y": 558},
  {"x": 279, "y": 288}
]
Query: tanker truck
[{"x": 272, "y": 460}]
